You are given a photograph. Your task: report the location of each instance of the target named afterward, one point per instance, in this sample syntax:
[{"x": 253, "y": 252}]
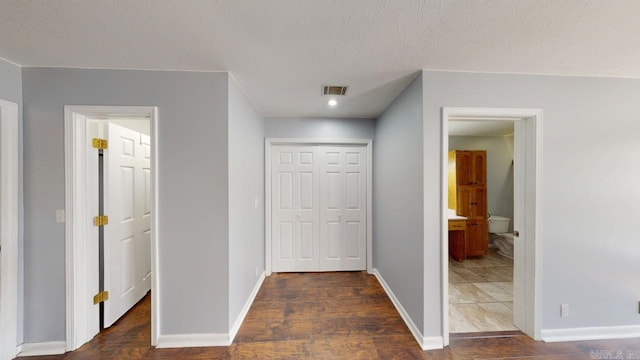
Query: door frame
[
  {"x": 528, "y": 151},
  {"x": 75, "y": 139},
  {"x": 9, "y": 226},
  {"x": 270, "y": 142}
]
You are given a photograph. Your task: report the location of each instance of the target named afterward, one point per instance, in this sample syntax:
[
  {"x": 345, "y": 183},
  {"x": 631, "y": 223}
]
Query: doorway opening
[
  {"x": 480, "y": 198},
  {"x": 111, "y": 214},
  {"x": 479, "y": 281}
]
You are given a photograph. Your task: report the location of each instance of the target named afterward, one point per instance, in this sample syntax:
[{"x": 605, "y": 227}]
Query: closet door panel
[
  {"x": 283, "y": 209},
  {"x": 342, "y": 202},
  {"x": 354, "y": 212},
  {"x": 334, "y": 240},
  {"x": 331, "y": 204},
  {"x": 306, "y": 201}
]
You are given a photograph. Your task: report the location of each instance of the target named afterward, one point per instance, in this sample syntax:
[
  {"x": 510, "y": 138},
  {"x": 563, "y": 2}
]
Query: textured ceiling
[{"x": 281, "y": 52}]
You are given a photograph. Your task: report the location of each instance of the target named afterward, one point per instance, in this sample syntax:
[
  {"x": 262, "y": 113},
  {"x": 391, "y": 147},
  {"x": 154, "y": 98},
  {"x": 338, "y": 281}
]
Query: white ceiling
[{"x": 281, "y": 52}]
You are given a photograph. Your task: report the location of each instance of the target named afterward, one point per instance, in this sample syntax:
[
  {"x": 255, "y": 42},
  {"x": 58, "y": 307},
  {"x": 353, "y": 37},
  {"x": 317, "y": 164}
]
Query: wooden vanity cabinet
[
  {"x": 471, "y": 201},
  {"x": 477, "y": 238},
  {"x": 458, "y": 239},
  {"x": 467, "y": 171},
  {"x": 470, "y": 167},
  {"x": 478, "y": 168}
]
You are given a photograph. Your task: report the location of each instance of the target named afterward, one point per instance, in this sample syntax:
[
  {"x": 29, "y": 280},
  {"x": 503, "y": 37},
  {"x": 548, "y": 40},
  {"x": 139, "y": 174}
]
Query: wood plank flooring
[{"x": 328, "y": 316}]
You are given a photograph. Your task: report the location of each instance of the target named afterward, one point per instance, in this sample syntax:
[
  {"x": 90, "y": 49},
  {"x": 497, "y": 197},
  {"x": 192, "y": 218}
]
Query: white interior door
[
  {"x": 318, "y": 208},
  {"x": 519, "y": 208},
  {"x": 342, "y": 208},
  {"x": 295, "y": 209},
  {"x": 127, "y": 236},
  {"x": 143, "y": 209}
]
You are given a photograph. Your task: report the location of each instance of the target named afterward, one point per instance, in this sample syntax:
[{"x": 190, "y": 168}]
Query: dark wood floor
[{"x": 332, "y": 316}]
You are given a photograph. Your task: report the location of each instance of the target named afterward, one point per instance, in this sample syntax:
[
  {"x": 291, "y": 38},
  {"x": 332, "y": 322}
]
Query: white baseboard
[
  {"x": 203, "y": 340},
  {"x": 426, "y": 343},
  {"x": 42, "y": 348},
  {"x": 245, "y": 308},
  {"x": 432, "y": 342},
  {"x": 591, "y": 333},
  {"x": 193, "y": 340}
]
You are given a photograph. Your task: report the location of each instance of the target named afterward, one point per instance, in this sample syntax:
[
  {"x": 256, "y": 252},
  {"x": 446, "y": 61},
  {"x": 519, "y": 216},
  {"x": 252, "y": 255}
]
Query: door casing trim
[
  {"x": 75, "y": 138},
  {"x": 533, "y": 217},
  {"x": 9, "y": 225}
]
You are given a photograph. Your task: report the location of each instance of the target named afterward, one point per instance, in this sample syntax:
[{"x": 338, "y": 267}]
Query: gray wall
[
  {"x": 11, "y": 90},
  {"x": 499, "y": 169},
  {"x": 246, "y": 185},
  {"x": 319, "y": 128},
  {"x": 397, "y": 199},
  {"x": 193, "y": 197},
  {"x": 11, "y": 84},
  {"x": 590, "y": 176}
]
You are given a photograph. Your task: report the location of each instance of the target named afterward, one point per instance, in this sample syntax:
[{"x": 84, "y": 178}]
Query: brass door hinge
[
  {"x": 100, "y": 297},
  {"x": 99, "y": 143},
  {"x": 100, "y": 220}
]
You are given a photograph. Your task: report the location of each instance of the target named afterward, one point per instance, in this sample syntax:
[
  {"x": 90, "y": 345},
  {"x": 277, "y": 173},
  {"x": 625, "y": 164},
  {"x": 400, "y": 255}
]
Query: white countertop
[{"x": 452, "y": 215}]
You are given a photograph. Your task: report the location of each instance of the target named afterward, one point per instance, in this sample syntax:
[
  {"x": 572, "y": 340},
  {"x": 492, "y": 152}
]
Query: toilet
[{"x": 500, "y": 235}]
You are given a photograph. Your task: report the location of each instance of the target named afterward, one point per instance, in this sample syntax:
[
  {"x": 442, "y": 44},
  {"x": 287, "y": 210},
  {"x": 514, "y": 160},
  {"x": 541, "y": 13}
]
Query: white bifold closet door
[
  {"x": 318, "y": 208},
  {"x": 342, "y": 208},
  {"x": 296, "y": 209}
]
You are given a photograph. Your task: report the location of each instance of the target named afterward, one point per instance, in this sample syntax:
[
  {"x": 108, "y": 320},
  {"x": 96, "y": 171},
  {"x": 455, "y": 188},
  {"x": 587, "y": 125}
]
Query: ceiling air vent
[{"x": 339, "y": 90}]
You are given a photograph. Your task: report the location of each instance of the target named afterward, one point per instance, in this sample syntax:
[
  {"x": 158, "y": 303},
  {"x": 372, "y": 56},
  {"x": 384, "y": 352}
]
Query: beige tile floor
[{"x": 480, "y": 294}]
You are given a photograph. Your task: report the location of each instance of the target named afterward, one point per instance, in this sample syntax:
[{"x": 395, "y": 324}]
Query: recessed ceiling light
[{"x": 332, "y": 102}]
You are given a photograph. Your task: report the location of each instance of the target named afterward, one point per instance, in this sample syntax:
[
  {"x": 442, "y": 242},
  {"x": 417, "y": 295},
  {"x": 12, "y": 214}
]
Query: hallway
[{"x": 326, "y": 316}]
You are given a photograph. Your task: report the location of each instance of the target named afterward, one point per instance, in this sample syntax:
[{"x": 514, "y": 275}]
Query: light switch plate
[
  {"x": 564, "y": 310},
  {"x": 60, "y": 216}
]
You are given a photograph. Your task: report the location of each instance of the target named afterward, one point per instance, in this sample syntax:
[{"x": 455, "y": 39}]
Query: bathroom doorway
[
  {"x": 481, "y": 272},
  {"x": 487, "y": 290}
]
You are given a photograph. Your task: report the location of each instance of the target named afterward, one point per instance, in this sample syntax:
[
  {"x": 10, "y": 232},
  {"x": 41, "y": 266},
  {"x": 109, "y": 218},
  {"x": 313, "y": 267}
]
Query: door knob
[{"x": 299, "y": 214}]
